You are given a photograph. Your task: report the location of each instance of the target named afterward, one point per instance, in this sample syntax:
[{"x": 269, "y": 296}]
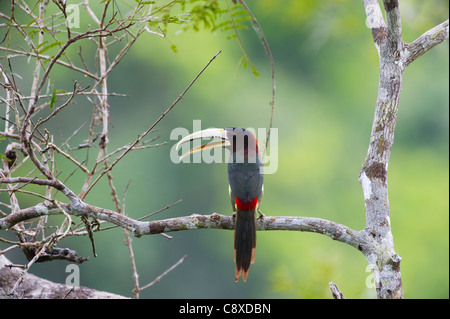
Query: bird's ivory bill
[{"x": 193, "y": 151}]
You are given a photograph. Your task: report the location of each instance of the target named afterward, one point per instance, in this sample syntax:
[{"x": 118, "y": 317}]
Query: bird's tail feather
[{"x": 244, "y": 242}]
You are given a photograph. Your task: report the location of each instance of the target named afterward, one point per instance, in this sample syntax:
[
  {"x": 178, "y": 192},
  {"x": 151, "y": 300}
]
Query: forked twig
[
  {"x": 157, "y": 279},
  {"x": 140, "y": 137}
]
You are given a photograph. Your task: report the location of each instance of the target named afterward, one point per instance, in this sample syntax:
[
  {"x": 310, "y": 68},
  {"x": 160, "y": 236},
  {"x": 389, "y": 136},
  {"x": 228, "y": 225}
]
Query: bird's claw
[{"x": 261, "y": 215}]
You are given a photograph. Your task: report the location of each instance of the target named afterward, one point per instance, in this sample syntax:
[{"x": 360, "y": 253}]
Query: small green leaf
[
  {"x": 49, "y": 46},
  {"x": 254, "y": 71},
  {"x": 53, "y": 99}
]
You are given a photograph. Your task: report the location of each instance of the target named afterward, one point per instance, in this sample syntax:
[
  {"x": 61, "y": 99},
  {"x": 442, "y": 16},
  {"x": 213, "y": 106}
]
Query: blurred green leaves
[{"x": 200, "y": 15}]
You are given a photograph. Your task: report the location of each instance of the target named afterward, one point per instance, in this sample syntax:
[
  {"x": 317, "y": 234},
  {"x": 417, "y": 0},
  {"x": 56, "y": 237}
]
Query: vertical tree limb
[
  {"x": 373, "y": 176},
  {"x": 394, "y": 56}
]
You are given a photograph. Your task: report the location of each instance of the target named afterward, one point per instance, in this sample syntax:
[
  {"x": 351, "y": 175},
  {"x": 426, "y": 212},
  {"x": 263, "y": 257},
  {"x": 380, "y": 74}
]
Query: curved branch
[
  {"x": 338, "y": 232},
  {"x": 425, "y": 42},
  {"x": 33, "y": 287},
  {"x": 56, "y": 184}
]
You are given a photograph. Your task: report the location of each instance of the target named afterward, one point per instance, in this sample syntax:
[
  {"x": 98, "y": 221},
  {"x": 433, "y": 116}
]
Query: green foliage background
[{"x": 327, "y": 76}]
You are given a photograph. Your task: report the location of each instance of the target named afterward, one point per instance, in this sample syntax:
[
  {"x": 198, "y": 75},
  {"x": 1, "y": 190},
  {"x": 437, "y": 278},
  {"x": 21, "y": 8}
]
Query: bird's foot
[{"x": 261, "y": 215}]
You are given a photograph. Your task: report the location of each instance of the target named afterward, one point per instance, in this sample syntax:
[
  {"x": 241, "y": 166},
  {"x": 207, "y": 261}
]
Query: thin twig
[
  {"x": 59, "y": 108},
  {"x": 335, "y": 292},
  {"x": 150, "y": 128},
  {"x": 157, "y": 279},
  {"x": 272, "y": 64},
  {"x": 128, "y": 243},
  {"x": 160, "y": 210}
]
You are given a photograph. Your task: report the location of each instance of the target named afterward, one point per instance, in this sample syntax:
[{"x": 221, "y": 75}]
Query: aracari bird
[{"x": 245, "y": 176}]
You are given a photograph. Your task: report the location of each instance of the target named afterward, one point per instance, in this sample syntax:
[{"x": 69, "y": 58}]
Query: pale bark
[
  {"x": 33, "y": 287},
  {"x": 394, "y": 57}
]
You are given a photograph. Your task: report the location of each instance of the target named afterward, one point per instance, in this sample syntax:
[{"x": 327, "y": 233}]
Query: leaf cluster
[{"x": 205, "y": 15}]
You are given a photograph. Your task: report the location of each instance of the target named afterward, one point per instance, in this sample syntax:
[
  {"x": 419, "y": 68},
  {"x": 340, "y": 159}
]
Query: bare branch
[
  {"x": 38, "y": 288},
  {"x": 110, "y": 167},
  {"x": 338, "y": 232},
  {"x": 337, "y": 294},
  {"x": 157, "y": 279},
  {"x": 75, "y": 91},
  {"x": 425, "y": 42}
]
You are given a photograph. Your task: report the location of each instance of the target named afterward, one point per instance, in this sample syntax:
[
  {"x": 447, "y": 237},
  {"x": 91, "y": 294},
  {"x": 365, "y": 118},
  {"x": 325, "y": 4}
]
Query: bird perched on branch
[{"x": 245, "y": 176}]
